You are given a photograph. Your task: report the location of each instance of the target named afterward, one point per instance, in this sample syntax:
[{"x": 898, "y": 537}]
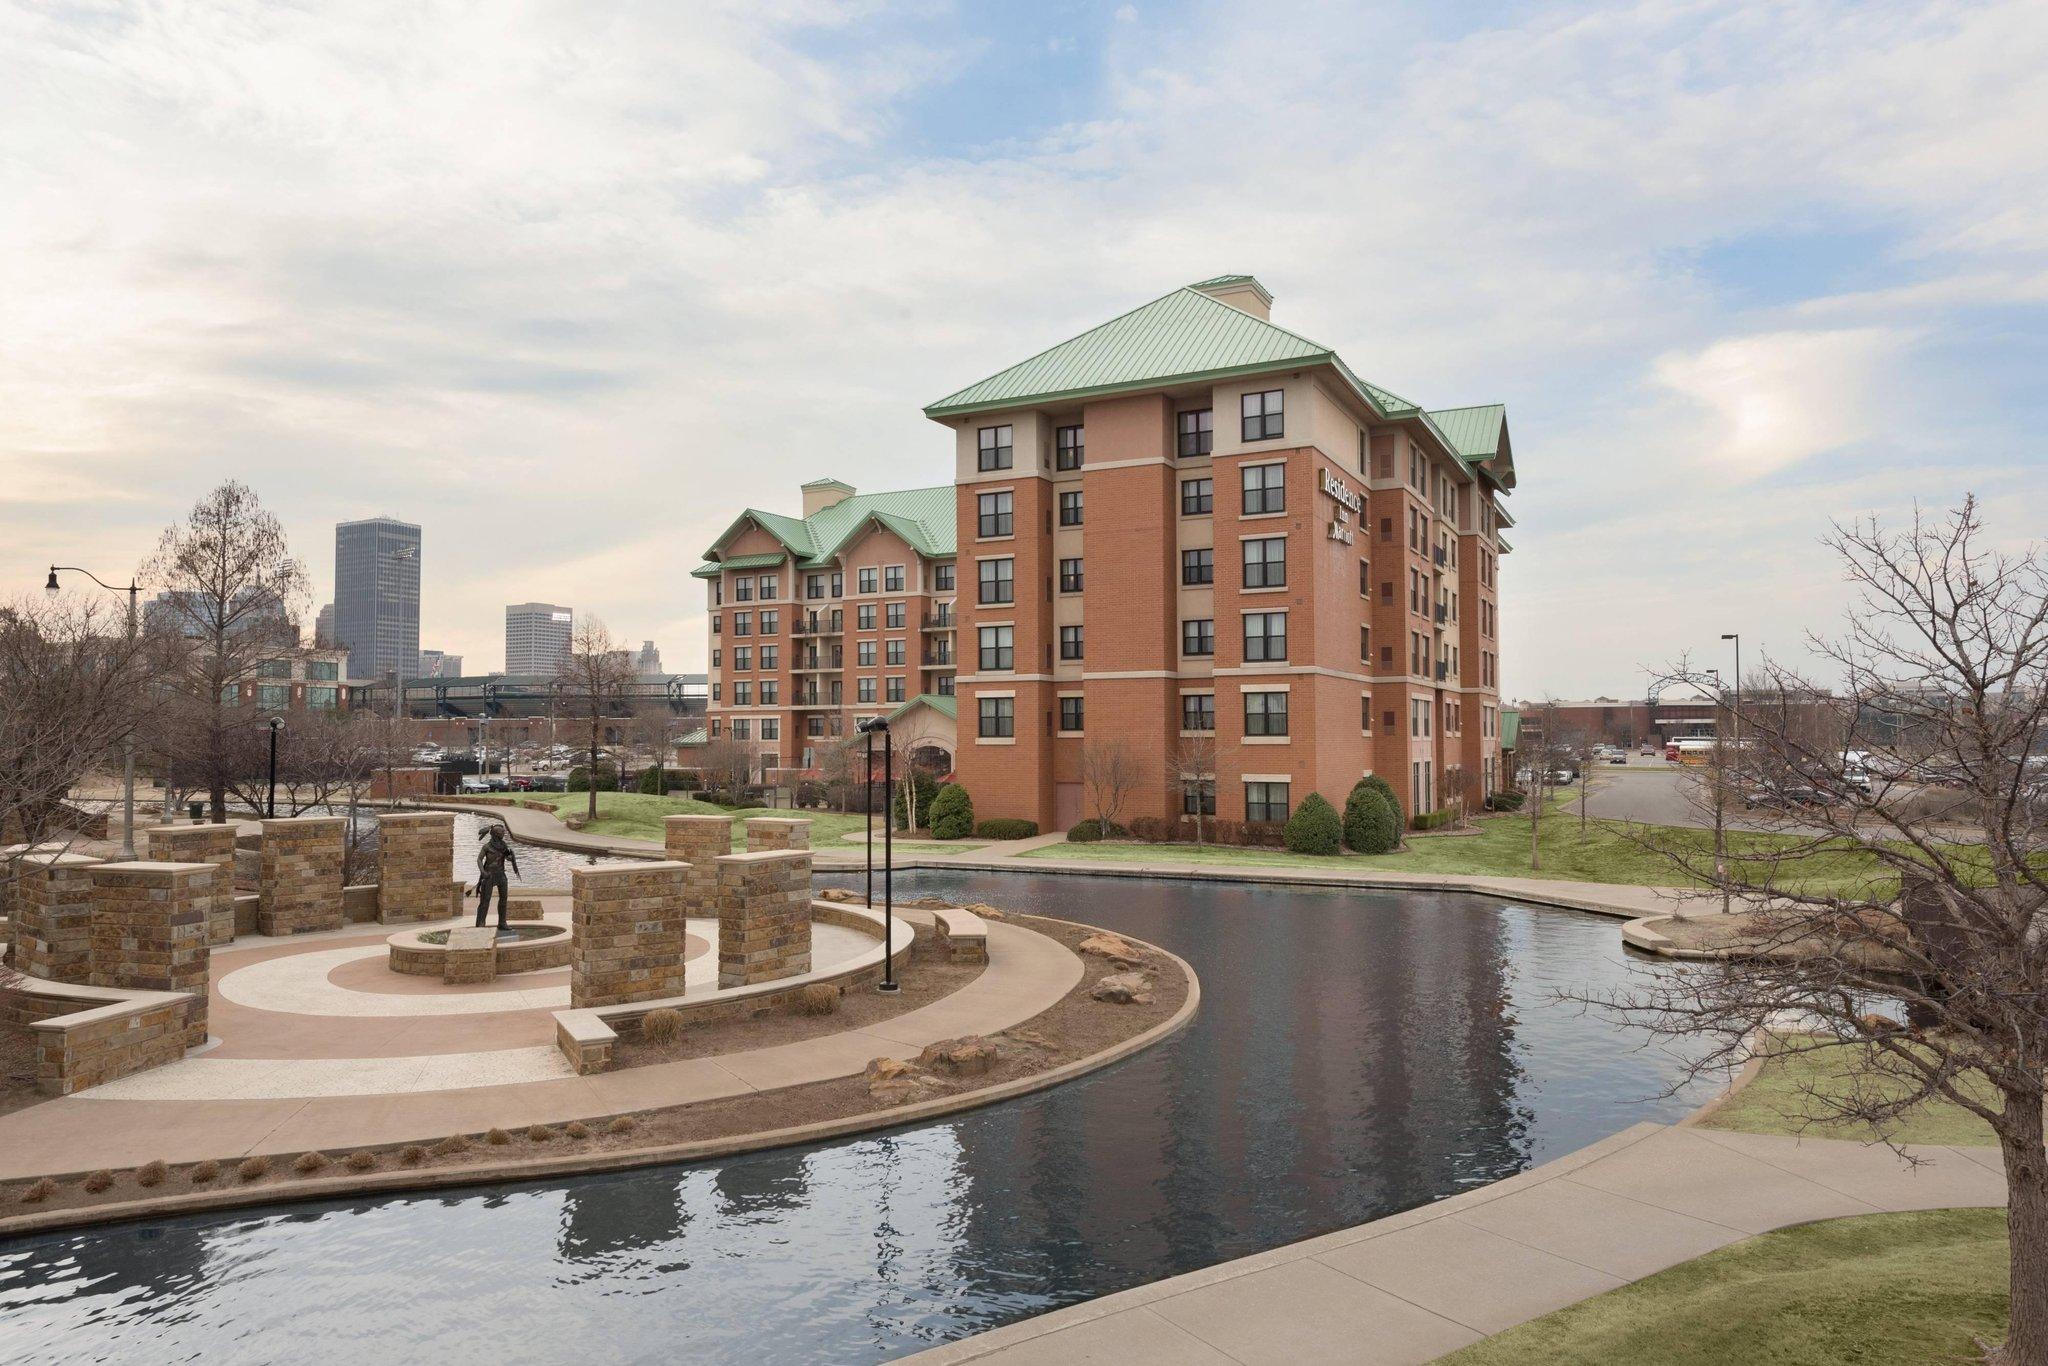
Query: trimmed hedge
[
  {"x": 607, "y": 778},
  {"x": 1370, "y": 824},
  {"x": 650, "y": 781},
  {"x": 1385, "y": 789},
  {"x": 1436, "y": 820},
  {"x": 1091, "y": 830},
  {"x": 1314, "y": 827},
  {"x": 1505, "y": 801},
  {"x": 952, "y": 813},
  {"x": 1006, "y": 828}
]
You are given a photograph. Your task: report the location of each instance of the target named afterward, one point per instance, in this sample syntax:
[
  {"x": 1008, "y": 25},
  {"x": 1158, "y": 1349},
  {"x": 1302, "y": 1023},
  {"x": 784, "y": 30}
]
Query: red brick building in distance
[{"x": 1191, "y": 528}]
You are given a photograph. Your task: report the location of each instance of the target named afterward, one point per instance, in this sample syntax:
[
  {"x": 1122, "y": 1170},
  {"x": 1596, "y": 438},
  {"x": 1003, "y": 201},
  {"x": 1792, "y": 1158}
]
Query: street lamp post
[
  {"x": 1736, "y": 718},
  {"x": 128, "y": 740},
  {"x": 270, "y": 800},
  {"x": 879, "y": 725}
]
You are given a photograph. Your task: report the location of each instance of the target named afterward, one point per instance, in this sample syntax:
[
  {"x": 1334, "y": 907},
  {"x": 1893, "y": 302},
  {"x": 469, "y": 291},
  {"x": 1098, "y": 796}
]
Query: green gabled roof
[
  {"x": 1480, "y": 434},
  {"x": 945, "y": 706},
  {"x": 922, "y": 517},
  {"x": 764, "y": 560},
  {"x": 1510, "y": 727}
]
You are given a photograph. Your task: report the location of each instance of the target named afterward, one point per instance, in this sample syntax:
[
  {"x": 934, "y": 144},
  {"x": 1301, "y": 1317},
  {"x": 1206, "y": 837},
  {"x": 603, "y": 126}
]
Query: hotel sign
[{"x": 1349, "y": 502}]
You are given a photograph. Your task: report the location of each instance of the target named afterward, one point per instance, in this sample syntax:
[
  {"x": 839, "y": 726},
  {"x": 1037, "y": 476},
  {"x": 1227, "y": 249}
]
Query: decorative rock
[
  {"x": 896, "y": 1081},
  {"x": 985, "y": 911},
  {"x": 1115, "y": 948},
  {"x": 841, "y": 895},
  {"x": 963, "y": 1057},
  {"x": 1124, "y": 989}
]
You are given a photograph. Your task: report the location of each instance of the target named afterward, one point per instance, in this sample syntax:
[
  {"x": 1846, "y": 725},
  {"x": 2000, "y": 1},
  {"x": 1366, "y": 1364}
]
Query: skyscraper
[
  {"x": 440, "y": 664},
  {"x": 648, "y": 663},
  {"x": 377, "y": 596},
  {"x": 536, "y": 637},
  {"x": 323, "y": 628}
]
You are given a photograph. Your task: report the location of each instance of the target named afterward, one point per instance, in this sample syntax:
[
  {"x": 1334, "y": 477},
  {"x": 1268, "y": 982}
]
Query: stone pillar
[
  {"x": 777, "y": 832},
  {"x": 10, "y": 880},
  {"x": 214, "y": 844},
  {"x": 301, "y": 885},
  {"x": 53, "y": 917},
  {"x": 415, "y": 851},
  {"x": 699, "y": 841},
  {"x": 149, "y": 931},
  {"x": 764, "y": 916},
  {"x": 628, "y": 926}
]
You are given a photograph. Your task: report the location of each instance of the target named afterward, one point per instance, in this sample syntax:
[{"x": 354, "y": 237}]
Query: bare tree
[
  {"x": 839, "y": 768},
  {"x": 1540, "y": 753},
  {"x": 233, "y": 587},
  {"x": 1111, "y": 772},
  {"x": 1192, "y": 766},
  {"x": 72, "y": 686},
  {"x": 657, "y": 727},
  {"x": 1945, "y": 662},
  {"x": 594, "y": 678},
  {"x": 728, "y": 765}
]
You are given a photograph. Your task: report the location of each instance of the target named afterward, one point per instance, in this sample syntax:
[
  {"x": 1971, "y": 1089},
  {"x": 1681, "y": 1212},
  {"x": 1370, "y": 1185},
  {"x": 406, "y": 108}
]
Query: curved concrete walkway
[
  {"x": 1027, "y": 974},
  {"x": 1414, "y": 1286}
]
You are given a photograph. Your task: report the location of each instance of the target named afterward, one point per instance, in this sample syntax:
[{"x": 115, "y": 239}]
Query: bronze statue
[{"x": 490, "y": 872}]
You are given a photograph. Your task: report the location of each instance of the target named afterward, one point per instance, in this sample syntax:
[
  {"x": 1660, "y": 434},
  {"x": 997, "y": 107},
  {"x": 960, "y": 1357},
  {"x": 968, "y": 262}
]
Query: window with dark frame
[
  {"x": 993, "y": 515},
  {"x": 1070, "y": 575},
  {"x": 1265, "y": 713},
  {"x": 1198, "y": 566},
  {"x": 1198, "y": 636},
  {"x": 1196, "y": 429},
  {"x": 993, "y": 449},
  {"x": 996, "y": 586},
  {"x": 1198, "y": 798},
  {"x": 1070, "y": 507},
  {"x": 1197, "y": 497},
  {"x": 1070, "y": 642},
  {"x": 942, "y": 578},
  {"x": 1265, "y": 489},
  {"x": 1070, "y": 714},
  {"x": 1265, "y": 636},
  {"x": 1265, "y": 562},
  {"x": 1198, "y": 711},
  {"x": 998, "y": 716},
  {"x": 1262, "y": 414},
  {"x": 1069, "y": 447},
  {"x": 1265, "y": 802},
  {"x": 998, "y": 647}
]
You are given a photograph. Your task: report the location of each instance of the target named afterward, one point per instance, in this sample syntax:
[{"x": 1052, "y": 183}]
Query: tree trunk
[
  {"x": 1535, "y": 824},
  {"x": 590, "y": 809},
  {"x": 2026, "y": 1178}
]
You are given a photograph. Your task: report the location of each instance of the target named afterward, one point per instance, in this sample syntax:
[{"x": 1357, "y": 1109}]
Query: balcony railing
[
  {"x": 819, "y": 663},
  {"x": 932, "y": 657},
  {"x": 1443, "y": 671},
  {"x": 1443, "y": 613},
  {"x": 1437, "y": 553},
  {"x": 942, "y": 621},
  {"x": 822, "y": 626}
]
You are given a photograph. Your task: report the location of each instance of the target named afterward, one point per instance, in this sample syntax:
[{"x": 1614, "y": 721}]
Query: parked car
[
  {"x": 475, "y": 782},
  {"x": 1783, "y": 796},
  {"x": 1617, "y": 757}
]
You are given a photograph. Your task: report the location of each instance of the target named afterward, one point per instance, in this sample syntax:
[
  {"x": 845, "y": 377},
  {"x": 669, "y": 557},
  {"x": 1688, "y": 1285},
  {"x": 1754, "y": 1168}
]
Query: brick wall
[
  {"x": 149, "y": 931},
  {"x": 415, "y": 851},
  {"x": 112, "y": 1042},
  {"x": 214, "y": 844},
  {"x": 53, "y": 908},
  {"x": 698, "y": 842},
  {"x": 628, "y": 924},
  {"x": 301, "y": 880},
  {"x": 777, "y": 832},
  {"x": 764, "y": 916}
]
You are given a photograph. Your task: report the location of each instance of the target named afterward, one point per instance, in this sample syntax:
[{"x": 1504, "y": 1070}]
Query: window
[
  {"x": 1197, "y": 435},
  {"x": 769, "y": 622},
  {"x": 1198, "y": 798},
  {"x": 1265, "y": 713},
  {"x": 1198, "y": 566},
  {"x": 1265, "y": 635},
  {"x": 1197, "y": 497},
  {"x": 768, "y": 588},
  {"x": 1070, "y": 714},
  {"x": 771, "y": 727},
  {"x": 715, "y": 657},
  {"x": 770, "y": 656},
  {"x": 893, "y": 653},
  {"x": 1365, "y": 644},
  {"x": 942, "y": 578},
  {"x": 322, "y": 699},
  {"x": 998, "y": 647},
  {"x": 1070, "y": 576},
  {"x": 894, "y": 692},
  {"x": 743, "y": 656},
  {"x": 1198, "y": 711},
  {"x": 814, "y": 726},
  {"x": 892, "y": 579},
  {"x": 1265, "y": 801},
  {"x": 993, "y": 449},
  {"x": 998, "y": 716},
  {"x": 1069, "y": 444},
  {"x": 864, "y": 690},
  {"x": 1070, "y": 507},
  {"x": 1265, "y": 489},
  {"x": 1070, "y": 642},
  {"x": 814, "y": 586},
  {"x": 869, "y": 580},
  {"x": 743, "y": 694},
  {"x": 1261, "y": 414},
  {"x": 1198, "y": 636},
  {"x": 714, "y": 623},
  {"x": 274, "y": 668},
  {"x": 743, "y": 589},
  {"x": 1265, "y": 562},
  {"x": 838, "y": 583},
  {"x": 743, "y": 623},
  {"x": 996, "y": 584},
  {"x": 274, "y": 696},
  {"x": 864, "y": 617},
  {"x": 714, "y": 697},
  {"x": 993, "y": 514},
  {"x": 945, "y": 685},
  {"x": 323, "y": 670},
  {"x": 771, "y": 692},
  {"x": 864, "y": 654},
  {"x": 897, "y": 615},
  {"x": 1365, "y": 713},
  {"x": 742, "y": 728}
]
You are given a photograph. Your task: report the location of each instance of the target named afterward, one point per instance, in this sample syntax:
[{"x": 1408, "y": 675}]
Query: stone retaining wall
[
  {"x": 213, "y": 844},
  {"x": 76, "y": 1049},
  {"x": 629, "y": 937},
  {"x": 415, "y": 850},
  {"x": 764, "y": 916},
  {"x": 149, "y": 932},
  {"x": 53, "y": 917},
  {"x": 698, "y": 841},
  {"x": 777, "y": 832},
  {"x": 301, "y": 885}
]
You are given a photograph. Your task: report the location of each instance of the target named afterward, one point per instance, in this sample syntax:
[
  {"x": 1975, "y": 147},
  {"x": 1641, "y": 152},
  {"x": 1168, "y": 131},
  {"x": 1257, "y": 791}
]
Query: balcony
[
  {"x": 820, "y": 626},
  {"x": 942, "y": 621},
  {"x": 820, "y": 662},
  {"x": 1439, "y": 556},
  {"x": 1443, "y": 613},
  {"x": 938, "y": 659},
  {"x": 1443, "y": 671}
]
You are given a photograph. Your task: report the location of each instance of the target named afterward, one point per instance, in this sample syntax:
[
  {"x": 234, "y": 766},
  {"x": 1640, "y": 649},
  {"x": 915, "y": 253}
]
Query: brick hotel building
[
  {"x": 1191, "y": 523},
  {"x": 842, "y": 613}
]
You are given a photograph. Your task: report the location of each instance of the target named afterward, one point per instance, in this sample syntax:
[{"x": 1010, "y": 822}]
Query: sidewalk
[{"x": 1414, "y": 1286}]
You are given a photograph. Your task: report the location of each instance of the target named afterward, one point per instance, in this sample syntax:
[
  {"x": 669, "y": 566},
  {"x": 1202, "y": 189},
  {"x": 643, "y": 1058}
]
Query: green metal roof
[
  {"x": 945, "y": 706},
  {"x": 1180, "y": 338},
  {"x": 1510, "y": 727},
  {"x": 922, "y": 517},
  {"x": 1481, "y": 436}
]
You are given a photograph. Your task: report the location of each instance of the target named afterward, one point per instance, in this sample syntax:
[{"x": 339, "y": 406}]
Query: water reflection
[{"x": 1355, "y": 1055}]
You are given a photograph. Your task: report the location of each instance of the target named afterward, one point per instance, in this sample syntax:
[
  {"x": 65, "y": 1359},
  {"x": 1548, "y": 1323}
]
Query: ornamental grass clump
[
  {"x": 305, "y": 1164},
  {"x": 497, "y": 1138},
  {"x": 361, "y": 1160},
  {"x": 253, "y": 1168},
  {"x": 539, "y": 1133},
  {"x": 98, "y": 1181},
  {"x": 204, "y": 1173},
  {"x": 661, "y": 1026},
  {"x": 819, "y": 998},
  {"x": 412, "y": 1154},
  {"x": 454, "y": 1143},
  {"x": 152, "y": 1173},
  {"x": 576, "y": 1128},
  {"x": 41, "y": 1190},
  {"x": 624, "y": 1124}
]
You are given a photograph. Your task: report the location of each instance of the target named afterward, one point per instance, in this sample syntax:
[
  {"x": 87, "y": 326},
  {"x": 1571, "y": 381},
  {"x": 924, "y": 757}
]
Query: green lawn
[
  {"x": 638, "y": 815},
  {"x": 1788, "y": 1096},
  {"x": 1872, "y": 1291},
  {"x": 1501, "y": 849}
]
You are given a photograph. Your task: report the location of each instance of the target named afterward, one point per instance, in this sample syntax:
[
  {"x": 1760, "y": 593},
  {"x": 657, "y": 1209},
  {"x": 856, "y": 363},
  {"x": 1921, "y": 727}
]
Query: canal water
[{"x": 1356, "y": 1054}]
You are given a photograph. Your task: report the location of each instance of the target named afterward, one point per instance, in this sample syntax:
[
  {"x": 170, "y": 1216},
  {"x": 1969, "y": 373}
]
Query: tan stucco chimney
[
  {"x": 1241, "y": 292},
  {"x": 820, "y": 494}
]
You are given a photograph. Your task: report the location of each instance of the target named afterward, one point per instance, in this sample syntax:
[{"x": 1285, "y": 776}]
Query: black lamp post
[
  {"x": 871, "y": 727},
  {"x": 127, "y": 741},
  {"x": 270, "y": 801}
]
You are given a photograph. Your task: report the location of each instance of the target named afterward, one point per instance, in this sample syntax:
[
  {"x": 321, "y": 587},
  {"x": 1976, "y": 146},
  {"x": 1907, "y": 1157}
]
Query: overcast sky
[{"x": 569, "y": 284}]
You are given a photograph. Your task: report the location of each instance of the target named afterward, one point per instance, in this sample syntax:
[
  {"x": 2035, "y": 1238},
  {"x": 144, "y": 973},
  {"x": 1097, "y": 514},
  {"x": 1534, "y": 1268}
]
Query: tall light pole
[
  {"x": 1735, "y": 716},
  {"x": 128, "y": 740},
  {"x": 873, "y": 726},
  {"x": 270, "y": 801}
]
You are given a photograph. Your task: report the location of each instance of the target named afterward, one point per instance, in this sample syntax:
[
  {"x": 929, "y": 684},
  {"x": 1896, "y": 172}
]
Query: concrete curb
[{"x": 382, "y": 1183}]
